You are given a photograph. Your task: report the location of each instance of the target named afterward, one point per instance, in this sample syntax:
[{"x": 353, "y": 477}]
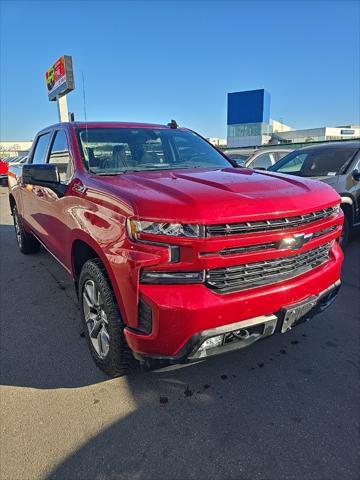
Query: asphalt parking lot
[{"x": 286, "y": 408}]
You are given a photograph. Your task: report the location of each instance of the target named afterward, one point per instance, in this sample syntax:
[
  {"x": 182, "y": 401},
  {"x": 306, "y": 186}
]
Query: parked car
[
  {"x": 4, "y": 167},
  {"x": 261, "y": 158},
  {"x": 176, "y": 254},
  {"x": 338, "y": 165}
]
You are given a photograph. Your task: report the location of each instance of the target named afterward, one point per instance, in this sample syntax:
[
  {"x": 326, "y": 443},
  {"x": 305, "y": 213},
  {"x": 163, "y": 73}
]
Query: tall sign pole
[
  {"x": 62, "y": 109},
  {"x": 59, "y": 82}
]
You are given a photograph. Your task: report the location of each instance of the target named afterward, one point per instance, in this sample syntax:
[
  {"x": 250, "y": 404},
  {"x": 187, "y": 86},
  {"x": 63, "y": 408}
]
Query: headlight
[{"x": 136, "y": 227}]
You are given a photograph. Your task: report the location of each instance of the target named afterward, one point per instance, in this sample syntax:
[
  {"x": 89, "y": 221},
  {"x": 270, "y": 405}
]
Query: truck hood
[{"x": 210, "y": 196}]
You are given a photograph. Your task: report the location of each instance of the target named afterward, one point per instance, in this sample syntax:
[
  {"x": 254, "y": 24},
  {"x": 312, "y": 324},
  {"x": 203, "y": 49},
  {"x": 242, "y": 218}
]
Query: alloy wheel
[
  {"x": 18, "y": 229},
  {"x": 96, "y": 318}
]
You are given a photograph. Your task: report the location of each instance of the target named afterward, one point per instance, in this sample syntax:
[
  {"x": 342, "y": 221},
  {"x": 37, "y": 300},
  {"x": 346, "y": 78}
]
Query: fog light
[
  {"x": 211, "y": 343},
  {"x": 162, "y": 277}
]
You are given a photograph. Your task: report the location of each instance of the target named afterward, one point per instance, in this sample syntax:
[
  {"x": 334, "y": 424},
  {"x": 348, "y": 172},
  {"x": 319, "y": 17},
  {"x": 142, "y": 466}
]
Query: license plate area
[{"x": 295, "y": 314}]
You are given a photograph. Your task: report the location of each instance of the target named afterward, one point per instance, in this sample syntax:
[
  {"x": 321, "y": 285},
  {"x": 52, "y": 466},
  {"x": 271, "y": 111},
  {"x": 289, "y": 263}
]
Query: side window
[
  {"x": 60, "y": 156},
  {"x": 264, "y": 161},
  {"x": 41, "y": 148}
]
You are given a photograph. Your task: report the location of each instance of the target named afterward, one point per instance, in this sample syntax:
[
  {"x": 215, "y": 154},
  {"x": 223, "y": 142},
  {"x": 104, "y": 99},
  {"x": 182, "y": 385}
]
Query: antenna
[
  {"x": 86, "y": 128},
  {"x": 84, "y": 97}
]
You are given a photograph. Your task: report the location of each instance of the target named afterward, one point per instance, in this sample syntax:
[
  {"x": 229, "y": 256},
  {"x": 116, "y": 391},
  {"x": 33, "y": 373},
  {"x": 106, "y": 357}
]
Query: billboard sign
[
  {"x": 60, "y": 78},
  {"x": 252, "y": 106}
]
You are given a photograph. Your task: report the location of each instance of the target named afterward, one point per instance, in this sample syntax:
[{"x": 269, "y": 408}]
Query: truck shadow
[{"x": 189, "y": 423}]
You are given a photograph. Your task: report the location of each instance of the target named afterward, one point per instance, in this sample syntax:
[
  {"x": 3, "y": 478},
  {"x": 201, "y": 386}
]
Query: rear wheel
[
  {"x": 102, "y": 321},
  {"x": 27, "y": 243}
]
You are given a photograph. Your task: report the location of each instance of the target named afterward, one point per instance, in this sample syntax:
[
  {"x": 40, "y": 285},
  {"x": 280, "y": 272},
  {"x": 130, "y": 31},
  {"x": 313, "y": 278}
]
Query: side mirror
[
  {"x": 356, "y": 175},
  {"x": 46, "y": 175}
]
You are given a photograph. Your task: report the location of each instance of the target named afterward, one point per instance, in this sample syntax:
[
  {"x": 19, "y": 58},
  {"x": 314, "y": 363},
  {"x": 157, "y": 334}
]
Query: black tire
[
  {"x": 344, "y": 239},
  {"x": 27, "y": 243},
  {"x": 118, "y": 360}
]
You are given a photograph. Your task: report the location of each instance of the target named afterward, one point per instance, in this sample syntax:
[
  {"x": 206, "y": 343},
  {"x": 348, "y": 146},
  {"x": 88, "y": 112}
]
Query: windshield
[
  {"x": 109, "y": 151},
  {"x": 321, "y": 162}
]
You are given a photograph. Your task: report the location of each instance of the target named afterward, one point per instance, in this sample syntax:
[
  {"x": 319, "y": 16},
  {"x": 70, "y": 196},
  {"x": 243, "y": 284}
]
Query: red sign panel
[{"x": 60, "y": 78}]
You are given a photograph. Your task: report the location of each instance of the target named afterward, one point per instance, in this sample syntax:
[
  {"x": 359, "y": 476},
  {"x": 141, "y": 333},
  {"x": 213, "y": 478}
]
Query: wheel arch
[
  {"x": 84, "y": 248},
  {"x": 81, "y": 252}
]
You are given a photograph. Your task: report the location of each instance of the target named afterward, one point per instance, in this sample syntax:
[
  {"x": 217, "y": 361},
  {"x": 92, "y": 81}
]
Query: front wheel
[
  {"x": 26, "y": 242},
  {"x": 102, "y": 321}
]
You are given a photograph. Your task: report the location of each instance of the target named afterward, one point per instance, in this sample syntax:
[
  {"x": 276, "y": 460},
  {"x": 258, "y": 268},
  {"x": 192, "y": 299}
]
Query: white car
[{"x": 257, "y": 158}]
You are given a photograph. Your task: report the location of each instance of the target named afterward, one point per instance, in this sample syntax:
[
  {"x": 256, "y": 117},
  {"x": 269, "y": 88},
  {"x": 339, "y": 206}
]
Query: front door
[{"x": 49, "y": 212}]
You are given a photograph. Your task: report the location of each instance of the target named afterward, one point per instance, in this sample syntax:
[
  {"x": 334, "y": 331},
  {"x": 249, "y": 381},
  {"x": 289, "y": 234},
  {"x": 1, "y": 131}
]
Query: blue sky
[{"x": 157, "y": 60}]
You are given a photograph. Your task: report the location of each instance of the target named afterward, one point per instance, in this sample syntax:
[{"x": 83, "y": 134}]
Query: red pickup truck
[{"x": 176, "y": 253}]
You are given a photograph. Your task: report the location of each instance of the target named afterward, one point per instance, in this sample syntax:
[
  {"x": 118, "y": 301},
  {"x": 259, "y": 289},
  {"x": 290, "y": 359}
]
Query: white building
[
  {"x": 13, "y": 149},
  {"x": 218, "y": 142},
  {"x": 279, "y": 127},
  {"x": 254, "y": 134},
  {"x": 321, "y": 134}
]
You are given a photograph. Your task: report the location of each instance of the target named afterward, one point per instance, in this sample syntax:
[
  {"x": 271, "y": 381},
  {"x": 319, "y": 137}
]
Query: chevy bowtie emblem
[{"x": 295, "y": 242}]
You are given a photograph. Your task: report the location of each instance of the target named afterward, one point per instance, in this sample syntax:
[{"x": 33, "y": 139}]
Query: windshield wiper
[
  {"x": 155, "y": 169},
  {"x": 105, "y": 174}
]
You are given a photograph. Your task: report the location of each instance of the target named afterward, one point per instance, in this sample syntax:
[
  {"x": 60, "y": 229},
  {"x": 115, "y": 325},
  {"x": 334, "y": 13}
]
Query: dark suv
[{"x": 338, "y": 165}]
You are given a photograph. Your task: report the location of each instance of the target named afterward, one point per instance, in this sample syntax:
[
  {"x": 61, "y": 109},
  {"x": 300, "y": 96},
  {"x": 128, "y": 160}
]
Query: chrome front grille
[
  {"x": 249, "y": 249},
  {"x": 262, "y": 247},
  {"x": 251, "y": 275},
  {"x": 268, "y": 225}
]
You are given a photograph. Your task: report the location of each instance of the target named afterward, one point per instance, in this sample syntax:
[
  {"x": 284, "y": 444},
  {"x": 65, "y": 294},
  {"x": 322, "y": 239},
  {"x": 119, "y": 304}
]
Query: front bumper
[
  {"x": 242, "y": 334},
  {"x": 181, "y": 312}
]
